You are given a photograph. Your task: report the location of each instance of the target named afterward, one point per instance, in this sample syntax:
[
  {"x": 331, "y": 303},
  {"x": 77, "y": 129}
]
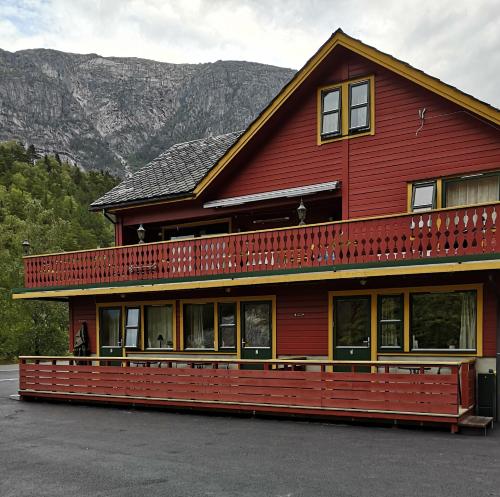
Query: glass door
[
  {"x": 110, "y": 339},
  {"x": 352, "y": 328},
  {"x": 256, "y": 330}
]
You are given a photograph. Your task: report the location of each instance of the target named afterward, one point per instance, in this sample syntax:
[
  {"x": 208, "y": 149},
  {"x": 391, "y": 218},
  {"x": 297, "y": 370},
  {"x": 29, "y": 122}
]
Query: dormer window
[{"x": 346, "y": 110}]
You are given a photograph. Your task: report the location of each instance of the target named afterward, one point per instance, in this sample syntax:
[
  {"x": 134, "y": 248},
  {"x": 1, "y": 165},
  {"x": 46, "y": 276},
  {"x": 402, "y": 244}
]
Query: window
[
  {"x": 227, "y": 326},
  {"x": 472, "y": 190},
  {"x": 424, "y": 196},
  {"x": 444, "y": 320},
  {"x": 352, "y": 321},
  {"x": 132, "y": 327},
  {"x": 198, "y": 326},
  {"x": 330, "y": 113},
  {"x": 390, "y": 322},
  {"x": 110, "y": 327},
  {"x": 359, "y": 106},
  {"x": 346, "y": 110},
  {"x": 158, "y": 324}
]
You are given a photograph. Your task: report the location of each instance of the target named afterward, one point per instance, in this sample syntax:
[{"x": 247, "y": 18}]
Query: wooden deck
[{"x": 428, "y": 392}]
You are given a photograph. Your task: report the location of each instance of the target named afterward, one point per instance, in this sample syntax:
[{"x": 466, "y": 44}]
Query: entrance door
[
  {"x": 110, "y": 339},
  {"x": 256, "y": 330},
  {"x": 352, "y": 328}
]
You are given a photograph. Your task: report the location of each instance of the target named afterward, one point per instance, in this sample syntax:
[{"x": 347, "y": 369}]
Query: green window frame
[
  {"x": 356, "y": 105},
  {"x": 331, "y": 111},
  {"x": 390, "y": 322},
  {"x": 421, "y": 205},
  {"x": 132, "y": 327}
]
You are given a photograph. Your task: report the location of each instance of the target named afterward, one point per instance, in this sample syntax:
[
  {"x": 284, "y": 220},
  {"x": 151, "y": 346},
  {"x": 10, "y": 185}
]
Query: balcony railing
[
  {"x": 446, "y": 233},
  {"x": 423, "y": 391}
]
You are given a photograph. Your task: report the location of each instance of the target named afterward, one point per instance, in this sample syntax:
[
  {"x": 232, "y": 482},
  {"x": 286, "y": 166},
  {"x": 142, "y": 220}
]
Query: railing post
[{"x": 466, "y": 401}]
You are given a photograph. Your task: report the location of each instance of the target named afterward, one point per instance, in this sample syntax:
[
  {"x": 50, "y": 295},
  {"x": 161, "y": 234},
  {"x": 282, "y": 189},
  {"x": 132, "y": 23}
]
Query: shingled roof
[{"x": 175, "y": 172}]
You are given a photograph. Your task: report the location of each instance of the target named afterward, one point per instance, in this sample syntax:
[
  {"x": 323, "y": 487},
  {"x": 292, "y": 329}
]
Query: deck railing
[
  {"x": 382, "y": 388},
  {"x": 408, "y": 237}
]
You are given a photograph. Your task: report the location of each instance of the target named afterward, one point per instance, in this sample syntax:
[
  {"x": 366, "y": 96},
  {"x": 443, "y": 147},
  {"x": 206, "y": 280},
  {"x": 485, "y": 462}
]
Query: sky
[{"x": 457, "y": 41}]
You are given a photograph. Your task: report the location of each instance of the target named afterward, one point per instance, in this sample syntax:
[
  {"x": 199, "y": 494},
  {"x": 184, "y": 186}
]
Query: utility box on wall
[{"x": 486, "y": 395}]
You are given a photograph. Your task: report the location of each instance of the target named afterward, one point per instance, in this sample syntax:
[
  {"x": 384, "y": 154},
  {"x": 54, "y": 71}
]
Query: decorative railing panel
[{"x": 409, "y": 237}]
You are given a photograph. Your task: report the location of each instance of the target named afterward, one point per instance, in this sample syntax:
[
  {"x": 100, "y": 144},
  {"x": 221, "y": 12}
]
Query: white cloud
[{"x": 455, "y": 40}]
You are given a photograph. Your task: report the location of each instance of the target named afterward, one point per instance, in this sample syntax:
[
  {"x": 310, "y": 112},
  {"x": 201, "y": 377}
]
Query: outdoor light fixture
[
  {"x": 141, "y": 233},
  {"x": 301, "y": 212},
  {"x": 26, "y": 247}
]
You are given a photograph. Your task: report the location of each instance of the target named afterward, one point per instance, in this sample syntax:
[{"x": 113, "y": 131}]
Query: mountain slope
[{"x": 105, "y": 112}]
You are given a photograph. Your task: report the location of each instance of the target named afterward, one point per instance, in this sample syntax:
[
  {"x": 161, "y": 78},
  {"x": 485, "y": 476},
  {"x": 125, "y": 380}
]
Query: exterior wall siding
[
  {"x": 83, "y": 309},
  {"x": 374, "y": 169},
  {"x": 301, "y": 309}
]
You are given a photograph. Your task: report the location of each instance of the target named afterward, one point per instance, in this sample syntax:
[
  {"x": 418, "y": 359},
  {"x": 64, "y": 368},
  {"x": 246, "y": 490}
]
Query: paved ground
[{"x": 57, "y": 450}]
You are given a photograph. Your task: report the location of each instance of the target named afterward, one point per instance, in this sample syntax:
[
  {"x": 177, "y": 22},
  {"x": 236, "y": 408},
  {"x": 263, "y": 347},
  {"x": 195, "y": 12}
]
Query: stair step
[{"x": 480, "y": 422}]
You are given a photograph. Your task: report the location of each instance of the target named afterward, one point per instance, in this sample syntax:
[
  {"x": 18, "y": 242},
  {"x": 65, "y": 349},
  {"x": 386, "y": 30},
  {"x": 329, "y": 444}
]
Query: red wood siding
[
  {"x": 83, "y": 309},
  {"x": 373, "y": 169},
  {"x": 302, "y": 321},
  {"x": 302, "y": 309}
]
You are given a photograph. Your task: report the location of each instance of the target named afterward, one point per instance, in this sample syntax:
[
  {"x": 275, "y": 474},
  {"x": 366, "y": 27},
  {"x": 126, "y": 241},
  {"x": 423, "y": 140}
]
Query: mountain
[{"x": 114, "y": 113}]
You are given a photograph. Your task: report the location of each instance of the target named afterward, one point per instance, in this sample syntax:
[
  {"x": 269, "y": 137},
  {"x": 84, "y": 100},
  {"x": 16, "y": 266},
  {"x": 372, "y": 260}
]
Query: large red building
[{"x": 353, "y": 220}]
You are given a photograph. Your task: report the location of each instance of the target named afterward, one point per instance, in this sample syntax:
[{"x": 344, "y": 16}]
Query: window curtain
[
  {"x": 196, "y": 338},
  {"x": 159, "y": 326},
  {"x": 472, "y": 191},
  {"x": 468, "y": 321}
]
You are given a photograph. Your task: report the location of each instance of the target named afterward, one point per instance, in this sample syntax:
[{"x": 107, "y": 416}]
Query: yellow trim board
[
  {"x": 237, "y": 300},
  {"x": 344, "y": 110},
  {"x": 271, "y": 279},
  {"x": 405, "y": 291},
  {"x": 140, "y": 304}
]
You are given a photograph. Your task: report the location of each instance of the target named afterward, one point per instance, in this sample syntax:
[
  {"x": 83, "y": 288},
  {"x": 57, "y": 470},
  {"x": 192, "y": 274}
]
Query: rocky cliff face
[{"x": 118, "y": 113}]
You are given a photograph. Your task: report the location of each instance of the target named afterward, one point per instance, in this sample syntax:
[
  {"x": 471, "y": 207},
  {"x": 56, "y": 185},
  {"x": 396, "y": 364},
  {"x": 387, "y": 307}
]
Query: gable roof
[
  {"x": 213, "y": 164},
  {"x": 340, "y": 39},
  {"x": 174, "y": 173}
]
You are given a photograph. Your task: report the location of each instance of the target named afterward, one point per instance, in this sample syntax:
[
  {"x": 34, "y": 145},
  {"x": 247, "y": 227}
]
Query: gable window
[
  {"x": 423, "y": 196},
  {"x": 346, "y": 110},
  {"x": 473, "y": 189},
  {"x": 331, "y": 113},
  {"x": 359, "y": 106}
]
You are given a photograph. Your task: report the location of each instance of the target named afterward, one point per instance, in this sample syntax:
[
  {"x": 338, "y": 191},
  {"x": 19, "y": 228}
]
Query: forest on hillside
[{"x": 44, "y": 201}]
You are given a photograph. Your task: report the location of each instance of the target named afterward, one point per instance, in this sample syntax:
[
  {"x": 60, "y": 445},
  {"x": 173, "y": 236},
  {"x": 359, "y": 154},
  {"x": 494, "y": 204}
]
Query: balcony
[
  {"x": 449, "y": 235},
  {"x": 424, "y": 392}
]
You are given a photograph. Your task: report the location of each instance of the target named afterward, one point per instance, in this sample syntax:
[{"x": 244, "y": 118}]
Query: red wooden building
[{"x": 338, "y": 257}]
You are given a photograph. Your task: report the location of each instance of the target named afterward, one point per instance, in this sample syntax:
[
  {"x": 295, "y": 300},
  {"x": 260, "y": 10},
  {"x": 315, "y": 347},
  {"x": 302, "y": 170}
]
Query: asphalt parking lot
[{"x": 66, "y": 450}]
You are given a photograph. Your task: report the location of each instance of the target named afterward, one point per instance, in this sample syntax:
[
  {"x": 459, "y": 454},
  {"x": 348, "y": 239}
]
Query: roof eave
[{"x": 142, "y": 202}]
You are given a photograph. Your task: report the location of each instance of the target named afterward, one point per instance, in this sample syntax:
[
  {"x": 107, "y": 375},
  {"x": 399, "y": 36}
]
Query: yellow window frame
[
  {"x": 237, "y": 301},
  {"x": 344, "y": 110},
  {"x": 137, "y": 304},
  {"x": 405, "y": 291}
]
